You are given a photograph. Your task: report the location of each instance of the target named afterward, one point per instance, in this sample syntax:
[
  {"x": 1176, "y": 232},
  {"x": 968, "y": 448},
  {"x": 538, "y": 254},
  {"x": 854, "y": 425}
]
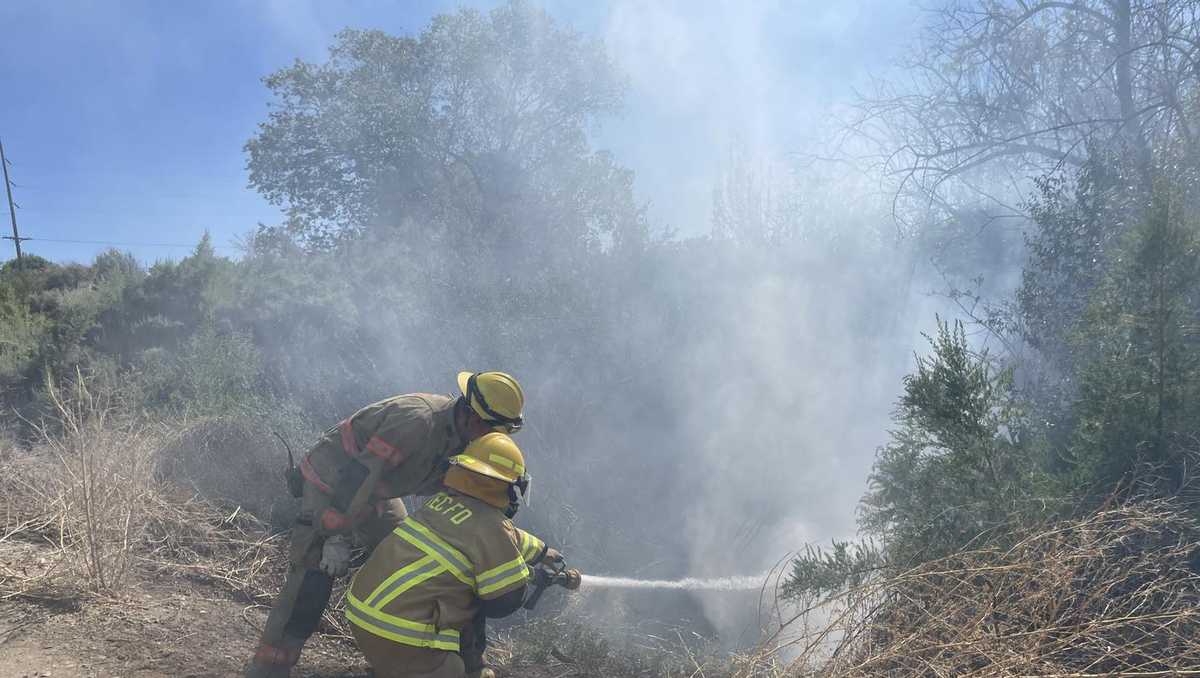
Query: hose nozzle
[
  {"x": 556, "y": 574},
  {"x": 572, "y": 579}
]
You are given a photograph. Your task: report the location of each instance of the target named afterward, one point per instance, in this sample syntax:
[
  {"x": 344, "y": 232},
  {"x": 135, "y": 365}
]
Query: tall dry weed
[
  {"x": 87, "y": 507},
  {"x": 103, "y": 481}
]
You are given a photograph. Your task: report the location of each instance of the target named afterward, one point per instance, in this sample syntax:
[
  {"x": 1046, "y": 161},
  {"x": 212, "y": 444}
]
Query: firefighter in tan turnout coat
[
  {"x": 426, "y": 588},
  {"x": 353, "y": 482}
]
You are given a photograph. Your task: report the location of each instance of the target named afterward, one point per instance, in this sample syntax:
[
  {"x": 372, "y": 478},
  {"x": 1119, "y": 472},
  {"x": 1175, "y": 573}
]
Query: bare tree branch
[{"x": 1025, "y": 88}]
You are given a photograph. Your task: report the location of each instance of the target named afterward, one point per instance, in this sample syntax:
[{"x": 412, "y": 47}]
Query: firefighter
[
  {"x": 353, "y": 482},
  {"x": 417, "y": 606}
]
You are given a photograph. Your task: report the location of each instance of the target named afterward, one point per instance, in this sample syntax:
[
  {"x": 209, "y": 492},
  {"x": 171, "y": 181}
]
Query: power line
[
  {"x": 122, "y": 244},
  {"x": 18, "y": 239},
  {"x": 117, "y": 244}
]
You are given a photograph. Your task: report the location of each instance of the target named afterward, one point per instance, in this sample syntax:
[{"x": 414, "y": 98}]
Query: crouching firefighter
[
  {"x": 417, "y": 607},
  {"x": 351, "y": 485}
]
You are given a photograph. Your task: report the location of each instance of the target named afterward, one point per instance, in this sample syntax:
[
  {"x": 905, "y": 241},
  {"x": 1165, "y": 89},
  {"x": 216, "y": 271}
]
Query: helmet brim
[{"x": 463, "y": 378}]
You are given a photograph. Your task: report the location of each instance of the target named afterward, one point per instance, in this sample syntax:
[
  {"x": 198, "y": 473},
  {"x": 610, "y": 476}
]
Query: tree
[
  {"x": 1003, "y": 90},
  {"x": 1138, "y": 401},
  {"x": 471, "y": 134},
  {"x": 163, "y": 307},
  {"x": 959, "y": 467},
  {"x": 754, "y": 201},
  {"x": 447, "y": 200},
  {"x": 958, "y": 464},
  {"x": 1077, "y": 228}
]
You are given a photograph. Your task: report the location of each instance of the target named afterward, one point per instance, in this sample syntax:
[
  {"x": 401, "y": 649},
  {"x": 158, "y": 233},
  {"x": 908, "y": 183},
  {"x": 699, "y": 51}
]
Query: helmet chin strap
[{"x": 518, "y": 493}]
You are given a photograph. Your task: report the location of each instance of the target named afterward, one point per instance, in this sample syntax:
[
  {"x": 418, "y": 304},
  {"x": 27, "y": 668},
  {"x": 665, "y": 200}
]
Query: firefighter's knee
[
  {"x": 311, "y": 600},
  {"x": 304, "y": 548}
]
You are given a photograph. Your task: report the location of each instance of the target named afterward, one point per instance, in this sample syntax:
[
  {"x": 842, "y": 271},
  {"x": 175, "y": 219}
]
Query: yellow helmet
[
  {"x": 494, "y": 455},
  {"x": 492, "y": 469},
  {"x": 496, "y": 397}
]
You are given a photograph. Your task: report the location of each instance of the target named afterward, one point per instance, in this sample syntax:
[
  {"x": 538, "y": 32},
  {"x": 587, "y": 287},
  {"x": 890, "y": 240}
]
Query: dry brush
[{"x": 1116, "y": 593}]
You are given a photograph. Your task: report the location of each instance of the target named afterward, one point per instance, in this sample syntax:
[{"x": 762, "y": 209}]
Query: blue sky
[{"x": 125, "y": 120}]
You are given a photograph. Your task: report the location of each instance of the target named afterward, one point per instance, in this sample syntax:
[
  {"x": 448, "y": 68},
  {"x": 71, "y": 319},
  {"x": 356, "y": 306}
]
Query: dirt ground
[
  {"x": 184, "y": 609},
  {"x": 155, "y": 629},
  {"x": 161, "y": 628}
]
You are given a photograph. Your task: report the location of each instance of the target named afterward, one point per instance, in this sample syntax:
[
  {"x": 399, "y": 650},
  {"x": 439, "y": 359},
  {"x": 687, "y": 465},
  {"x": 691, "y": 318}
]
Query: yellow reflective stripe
[
  {"x": 403, "y": 630},
  {"x": 503, "y": 461},
  {"x": 484, "y": 577},
  {"x": 507, "y": 463},
  {"x": 425, "y": 539},
  {"x": 501, "y": 577},
  {"x": 531, "y": 546},
  {"x": 404, "y": 579}
]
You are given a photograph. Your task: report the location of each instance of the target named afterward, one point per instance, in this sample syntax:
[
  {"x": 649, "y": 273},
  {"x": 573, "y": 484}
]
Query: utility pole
[{"x": 12, "y": 211}]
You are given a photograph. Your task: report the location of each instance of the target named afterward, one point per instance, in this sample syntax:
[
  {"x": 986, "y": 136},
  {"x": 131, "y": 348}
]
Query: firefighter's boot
[{"x": 275, "y": 661}]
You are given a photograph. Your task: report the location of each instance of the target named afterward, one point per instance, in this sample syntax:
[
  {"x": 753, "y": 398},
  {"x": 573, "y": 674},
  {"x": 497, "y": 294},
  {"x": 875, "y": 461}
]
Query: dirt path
[
  {"x": 157, "y": 629},
  {"x": 176, "y": 629},
  {"x": 160, "y": 626}
]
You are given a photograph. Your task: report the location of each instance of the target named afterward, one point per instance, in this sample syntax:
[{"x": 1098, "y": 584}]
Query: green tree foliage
[
  {"x": 168, "y": 303},
  {"x": 1078, "y": 220},
  {"x": 448, "y": 172},
  {"x": 46, "y": 312},
  {"x": 1138, "y": 402},
  {"x": 958, "y": 464},
  {"x": 958, "y": 468},
  {"x": 472, "y": 133},
  {"x": 210, "y": 373},
  {"x": 820, "y": 571},
  {"x": 1107, "y": 412},
  {"x": 145, "y": 330}
]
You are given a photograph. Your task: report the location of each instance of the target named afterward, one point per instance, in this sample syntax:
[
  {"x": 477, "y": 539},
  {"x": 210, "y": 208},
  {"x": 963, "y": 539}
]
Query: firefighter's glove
[
  {"x": 552, "y": 557},
  {"x": 335, "y": 556}
]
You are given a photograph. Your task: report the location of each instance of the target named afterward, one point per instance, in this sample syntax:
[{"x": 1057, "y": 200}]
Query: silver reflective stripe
[
  {"x": 382, "y": 594},
  {"x": 453, "y": 558},
  {"x": 427, "y": 636},
  {"x": 482, "y": 585}
]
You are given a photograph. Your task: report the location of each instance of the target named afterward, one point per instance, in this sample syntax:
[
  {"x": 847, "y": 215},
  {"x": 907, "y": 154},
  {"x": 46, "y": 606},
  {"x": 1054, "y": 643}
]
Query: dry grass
[
  {"x": 1114, "y": 594},
  {"x": 580, "y": 648},
  {"x": 232, "y": 461},
  {"x": 190, "y": 537},
  {"x": 88, "y": 496},
  {"x": 82, "y": 492},
  {"x": 104, "y": 485},
  {"x": 102, "y": 498}
]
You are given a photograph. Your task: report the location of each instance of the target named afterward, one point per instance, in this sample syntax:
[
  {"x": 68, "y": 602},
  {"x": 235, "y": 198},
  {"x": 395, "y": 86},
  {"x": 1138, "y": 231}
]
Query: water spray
[
  {"x": 735, "y": 583},
  {"x": 556, "y": 573}
]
